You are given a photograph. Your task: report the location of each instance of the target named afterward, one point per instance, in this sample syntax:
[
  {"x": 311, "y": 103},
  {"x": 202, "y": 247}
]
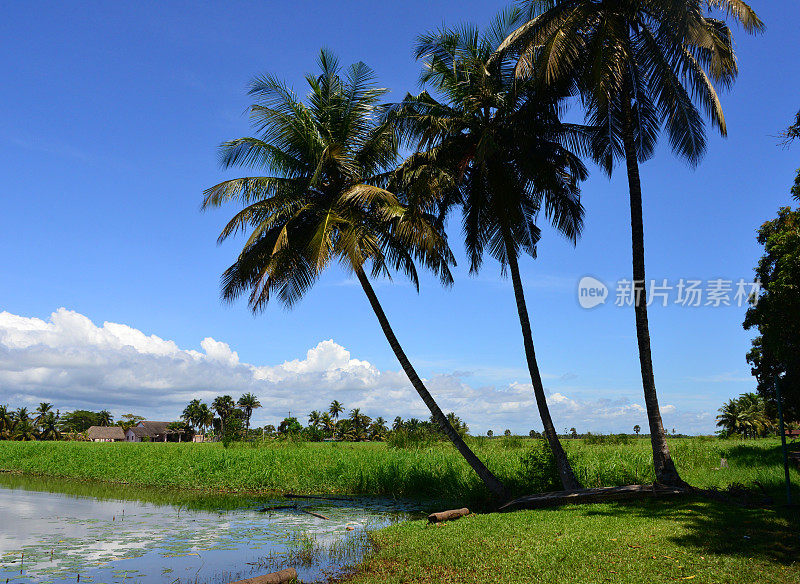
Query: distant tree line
[{"x": 45, "y": 423}]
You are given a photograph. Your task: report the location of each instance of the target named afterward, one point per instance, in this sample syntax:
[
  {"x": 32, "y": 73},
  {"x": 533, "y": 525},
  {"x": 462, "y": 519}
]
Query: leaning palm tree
[
  {"x": 248, "y": 402},
  {"x": 638, "y": 65},
  {"x": 324, "y": 203},
  {"x": 495, "y": 147}
]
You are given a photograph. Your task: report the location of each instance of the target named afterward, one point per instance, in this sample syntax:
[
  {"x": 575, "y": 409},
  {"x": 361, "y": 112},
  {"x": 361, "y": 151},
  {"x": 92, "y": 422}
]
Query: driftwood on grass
[
  {"x": 448, "y": 515},
  {"x": 597, "y": 495},
  {"x": 287, "y": 575}
]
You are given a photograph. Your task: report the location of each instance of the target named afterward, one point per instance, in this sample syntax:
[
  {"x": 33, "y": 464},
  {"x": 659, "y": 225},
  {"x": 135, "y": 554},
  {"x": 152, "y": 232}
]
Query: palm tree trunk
[
  {"x": 568, "y": 478},
  {"x": 666, "y": 473},
  {"x": 492, "y": 482}
]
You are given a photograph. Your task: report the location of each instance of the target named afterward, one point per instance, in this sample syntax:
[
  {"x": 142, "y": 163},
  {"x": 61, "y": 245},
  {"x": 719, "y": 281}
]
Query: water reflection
[{"x": 51, "y": 530}]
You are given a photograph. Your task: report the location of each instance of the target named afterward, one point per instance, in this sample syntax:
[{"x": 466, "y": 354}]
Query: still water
[{"x": 58, "y": 531}]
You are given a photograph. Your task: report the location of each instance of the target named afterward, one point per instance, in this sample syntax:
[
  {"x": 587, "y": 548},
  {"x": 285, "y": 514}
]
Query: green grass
[
  {"x": 635, "y": 543},
  {"x": 436, "y": 472},
  {"x": 697, "y": 541}
]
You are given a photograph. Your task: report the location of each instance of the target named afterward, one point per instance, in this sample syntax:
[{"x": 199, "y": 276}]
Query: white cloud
[{"x": 74, "y": 363}]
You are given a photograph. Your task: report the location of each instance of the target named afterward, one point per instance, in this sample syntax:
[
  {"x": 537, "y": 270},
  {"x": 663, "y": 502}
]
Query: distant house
[
  {"x": 793, "y": 433},
  {"x": 105, "y": 434},
  {"x": 153, "y": 432}
]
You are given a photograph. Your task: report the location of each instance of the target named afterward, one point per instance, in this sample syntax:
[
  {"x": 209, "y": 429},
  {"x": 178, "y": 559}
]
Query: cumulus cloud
[{"x": 75, "y": 363}]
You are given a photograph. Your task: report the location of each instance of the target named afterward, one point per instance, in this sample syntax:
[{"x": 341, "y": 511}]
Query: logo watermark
[
  {"x": 591, "y": 292},
  {"x": 714, "y": 292}
]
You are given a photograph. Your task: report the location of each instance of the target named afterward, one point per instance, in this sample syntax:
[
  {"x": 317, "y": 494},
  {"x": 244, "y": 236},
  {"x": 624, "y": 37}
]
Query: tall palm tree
[
  {"x": 224, "y": 406},
  {"x": 205, "y": 417},
  {"x": 327, "y": 423},
  {"x": 325, "y": 203},
  {"x": 248, "y": 402},
  {"x": 335, "y": 409},
  {"x": 504, "y": 153},
  {"x": 639, "y": 65}
]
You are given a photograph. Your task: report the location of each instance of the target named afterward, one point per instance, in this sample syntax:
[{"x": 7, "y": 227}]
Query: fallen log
[
  {"x": 448, "y": 515},
  {"x": 597, "y": 495},
  {"x": 314, "y": 514},
  {"x": 287, "y": 575}
]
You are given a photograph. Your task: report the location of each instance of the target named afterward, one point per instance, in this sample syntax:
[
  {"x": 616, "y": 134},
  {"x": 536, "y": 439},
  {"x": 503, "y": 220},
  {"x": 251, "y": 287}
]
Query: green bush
[{"x": 539, "y": 471}]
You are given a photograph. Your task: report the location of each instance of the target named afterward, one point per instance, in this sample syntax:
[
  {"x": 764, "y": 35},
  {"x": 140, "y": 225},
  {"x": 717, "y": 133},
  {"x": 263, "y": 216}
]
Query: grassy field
[
  {"x": 695, "y": 541},
  {"x": 435, "y": 472}
]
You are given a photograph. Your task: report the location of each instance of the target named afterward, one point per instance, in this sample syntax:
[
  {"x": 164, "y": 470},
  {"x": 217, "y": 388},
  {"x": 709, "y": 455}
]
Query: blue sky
[{"x": 109, "y": 122}]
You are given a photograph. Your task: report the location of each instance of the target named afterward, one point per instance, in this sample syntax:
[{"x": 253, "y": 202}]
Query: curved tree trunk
[
  {"x": 568, "y": 478},
  {"x": 491, "y": 481},
  {"x": 666, "y": 473}
]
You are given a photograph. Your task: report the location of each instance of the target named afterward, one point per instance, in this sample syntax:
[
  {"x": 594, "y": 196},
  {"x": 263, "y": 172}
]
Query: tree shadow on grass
[{"x": 712, "y": 527}]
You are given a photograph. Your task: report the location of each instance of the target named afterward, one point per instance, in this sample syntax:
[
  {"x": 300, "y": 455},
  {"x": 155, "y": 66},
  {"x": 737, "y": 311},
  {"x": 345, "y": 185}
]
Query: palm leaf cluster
[
  {"x": 647, "y": 64},
  {"x": 746, "y": 416},
  {"x": 331, "y": 158}
]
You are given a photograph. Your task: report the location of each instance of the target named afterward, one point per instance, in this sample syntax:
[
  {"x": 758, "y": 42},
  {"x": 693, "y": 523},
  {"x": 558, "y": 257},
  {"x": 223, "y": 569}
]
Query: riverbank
[
  {"x": 435, "y": 472},
  {"x": 646, "y": 542}
]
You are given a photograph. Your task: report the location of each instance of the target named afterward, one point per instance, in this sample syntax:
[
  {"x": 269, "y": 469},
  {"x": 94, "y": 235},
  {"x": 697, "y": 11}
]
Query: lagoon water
[{"x": 53, "y": 530}]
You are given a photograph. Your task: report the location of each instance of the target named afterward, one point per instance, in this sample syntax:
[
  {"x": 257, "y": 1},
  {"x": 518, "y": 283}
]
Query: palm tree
[
  {"x": 327, "y": 423},
  {"x": 190, "y": 413},
  {"x": 335, "y": 409},
  {"x": 637, "y": 65},
  {"x": 43, "y": 409},
  {"x": 48, "y": 425},
  {"x": 325, "y": 203},
  {"x": 205, "y": 417},
  {"x": 314, "y": 419},
  {"x": 224, "y": 406},
  {"x": 104, "y": 418},
  {"x": 21, "y": 415},
  {"x": 24, "y": 429},
  {"x": 248, "y": 402},
  {"x": 505, "y": 157}
]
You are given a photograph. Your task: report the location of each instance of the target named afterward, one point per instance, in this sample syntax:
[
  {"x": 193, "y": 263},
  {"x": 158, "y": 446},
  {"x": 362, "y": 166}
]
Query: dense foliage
[{"x": 775, "y": 313}]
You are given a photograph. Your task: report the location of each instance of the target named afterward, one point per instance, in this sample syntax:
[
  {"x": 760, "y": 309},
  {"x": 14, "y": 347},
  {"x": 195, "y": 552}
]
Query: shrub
[{"x": 539, "y": 471}]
